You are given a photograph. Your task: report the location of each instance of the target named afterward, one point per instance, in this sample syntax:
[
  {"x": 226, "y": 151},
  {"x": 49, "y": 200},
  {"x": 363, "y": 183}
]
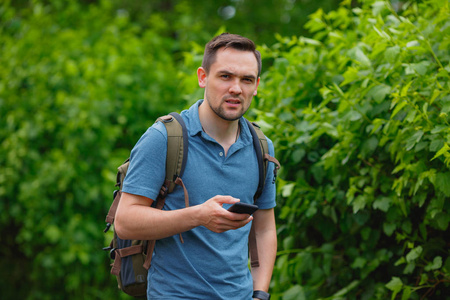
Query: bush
[
  {"x": 359, "y": 117},
  {"x": 77, "y": 89}
]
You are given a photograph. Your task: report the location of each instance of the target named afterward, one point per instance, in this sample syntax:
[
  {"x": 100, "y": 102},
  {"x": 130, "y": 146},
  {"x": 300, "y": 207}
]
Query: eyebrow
[{"x": 250, "y": 76}]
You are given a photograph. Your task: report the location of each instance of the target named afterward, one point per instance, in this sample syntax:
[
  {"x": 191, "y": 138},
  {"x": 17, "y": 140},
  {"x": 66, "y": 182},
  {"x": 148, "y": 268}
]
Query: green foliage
[
  {"x": 77, "y": 89},
  {"x": 190, "y": 20},
  {"x": 358, "y": 114},
  {"x": 360, "y": 120}
]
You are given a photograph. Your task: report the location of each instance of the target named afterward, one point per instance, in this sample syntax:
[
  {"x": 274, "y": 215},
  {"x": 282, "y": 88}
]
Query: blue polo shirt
[{"x": 208, "y": 265}]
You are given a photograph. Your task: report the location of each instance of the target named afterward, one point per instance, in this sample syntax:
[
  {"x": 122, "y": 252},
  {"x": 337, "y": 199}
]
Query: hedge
[{"x": 359, "y": 114}]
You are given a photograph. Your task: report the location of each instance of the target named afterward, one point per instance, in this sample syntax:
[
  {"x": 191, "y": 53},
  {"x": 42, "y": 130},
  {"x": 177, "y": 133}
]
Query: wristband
[{"x": 261, "y": 295}]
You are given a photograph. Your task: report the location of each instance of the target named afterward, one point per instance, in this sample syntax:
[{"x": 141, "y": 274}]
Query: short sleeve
[
  {"x": 146, "y": 172},
  {"x": 267, "y": 198}
]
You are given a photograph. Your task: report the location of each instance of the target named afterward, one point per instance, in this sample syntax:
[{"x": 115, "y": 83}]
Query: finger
[
  {"x": 226, "y": 199},
  {"x": 232, "y": 225},
  {"x": 239, "y": 217}
]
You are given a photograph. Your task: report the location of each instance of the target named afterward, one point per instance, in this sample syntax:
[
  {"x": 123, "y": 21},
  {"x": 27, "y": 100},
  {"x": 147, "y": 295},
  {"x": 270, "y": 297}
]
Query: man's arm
[
  {"x": 135, "y": 219},
  {"x": 266, "y": 238}
]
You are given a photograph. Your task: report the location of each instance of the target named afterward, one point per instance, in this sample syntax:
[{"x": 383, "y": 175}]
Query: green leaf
[
  {"x": 442, "y": 183},
  {"x": 359, "y": 203},
  {"x": 346, "y": 289},
  {"x": 294, "y": 293},
  {"x": 395, "y": 285},
  {"x": 414, "y": 254},
  {"x": 298, "y": 155},
  {"x": 406, "y": 293},
  {"x": 398, "y": 168},
  {"x": 379, "y": 92},
  {"x": 358, "y": 55},
  {"x": 423, "y": 231},
  {"x": 353, "y": 115},
  {"x": 369, "y": 146},
  {"x": 311, "y": 211},
  {"x": 443, "y": 151},
  {"x": 376, "y": 124},
  {"x": 404, "y": 91},
  {"x": 439, "y": 128},
  {"x": 398, "y": 108},
  {"x": 391, "y": 54},
  {"x": 414, "y": 139},
  {"x": 288, "y": 243},
  {"x": 318, "y": 172},
  {"x": 382, "y": 204},
  {"x": 350, "y": 75},
  {"x": 409, "y": 269},
  {"x": 436, "y": 144},
  {"x": 389, "y": 228},
  {"x": 287, "y": 189},
  {"x": 421, "y": 68},
  {"x": 378, "y": 7},
  {"x": 423, "y": 279},
  {"x": 359, "y": 263},
  {"x": 442, "y": 220},
  {"x": 435, "y": 264},
  {"x": 285, "y": 212},
  {"x": 436, "y": 93},
  {"x": 400, "y": 261},
  {"x": 310, "y": 41}
]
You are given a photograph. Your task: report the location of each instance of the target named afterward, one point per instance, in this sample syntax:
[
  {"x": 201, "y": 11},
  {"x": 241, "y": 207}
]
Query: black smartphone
[{"x": 243, "y": 208}]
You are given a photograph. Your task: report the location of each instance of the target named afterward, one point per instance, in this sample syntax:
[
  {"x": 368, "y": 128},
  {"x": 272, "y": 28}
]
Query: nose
[{"x": 235, "y": 88}]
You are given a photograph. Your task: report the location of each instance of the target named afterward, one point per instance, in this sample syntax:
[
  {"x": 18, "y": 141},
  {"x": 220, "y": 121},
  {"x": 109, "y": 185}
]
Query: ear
[
  {"x": 256, "y": 88},
  {"x": 201, "y": 75}
]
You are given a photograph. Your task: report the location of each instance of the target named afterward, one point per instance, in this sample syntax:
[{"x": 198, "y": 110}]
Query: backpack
[{"x": 132, "y": 258}]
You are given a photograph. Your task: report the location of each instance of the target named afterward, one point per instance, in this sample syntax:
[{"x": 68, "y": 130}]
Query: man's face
[{"x": 231, "y": 83}]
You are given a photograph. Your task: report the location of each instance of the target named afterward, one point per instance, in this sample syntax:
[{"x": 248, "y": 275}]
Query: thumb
[{"x": 227, "y": 200}]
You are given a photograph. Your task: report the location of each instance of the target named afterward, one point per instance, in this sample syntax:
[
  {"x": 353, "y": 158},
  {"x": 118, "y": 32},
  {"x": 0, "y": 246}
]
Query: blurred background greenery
[{"x": 355, "y": 96}]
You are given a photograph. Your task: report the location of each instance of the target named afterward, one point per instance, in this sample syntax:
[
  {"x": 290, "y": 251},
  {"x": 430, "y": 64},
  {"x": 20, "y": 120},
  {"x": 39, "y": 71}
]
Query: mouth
[{"x": 233, "y": 101}]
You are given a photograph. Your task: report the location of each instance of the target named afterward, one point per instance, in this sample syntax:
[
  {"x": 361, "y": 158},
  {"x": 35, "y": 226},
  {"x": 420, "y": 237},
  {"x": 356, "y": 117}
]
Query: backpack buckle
[
  {"x": 112, "y": 253},
  {"x": 166, "y": 119},
  {"x": 164, "y": 189},
  {"x": 108, "y": 225},
  {"x": 274, "y": 177}
]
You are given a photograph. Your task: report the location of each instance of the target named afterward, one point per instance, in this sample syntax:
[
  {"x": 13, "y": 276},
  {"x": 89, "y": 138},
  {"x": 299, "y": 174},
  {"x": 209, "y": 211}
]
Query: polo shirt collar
[{"x": 195, "y": 127}]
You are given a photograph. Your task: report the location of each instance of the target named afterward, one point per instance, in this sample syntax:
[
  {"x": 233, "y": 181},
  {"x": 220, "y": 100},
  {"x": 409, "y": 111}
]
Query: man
[{"x": 221, "y": 170}]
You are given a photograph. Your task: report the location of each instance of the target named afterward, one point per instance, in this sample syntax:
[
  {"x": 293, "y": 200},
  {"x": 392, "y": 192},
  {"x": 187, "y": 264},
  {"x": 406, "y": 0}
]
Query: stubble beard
[{"x": 220, "y": 112}]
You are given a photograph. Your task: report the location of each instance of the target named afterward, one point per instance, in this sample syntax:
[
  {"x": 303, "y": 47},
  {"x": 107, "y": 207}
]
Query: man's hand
[
  {"x": 136, "y": 220},
  {"x": 217, "y": 219}
]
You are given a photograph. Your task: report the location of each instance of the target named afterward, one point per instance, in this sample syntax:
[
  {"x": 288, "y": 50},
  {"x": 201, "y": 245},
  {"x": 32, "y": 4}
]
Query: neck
[{"x": 223, "y": 131}]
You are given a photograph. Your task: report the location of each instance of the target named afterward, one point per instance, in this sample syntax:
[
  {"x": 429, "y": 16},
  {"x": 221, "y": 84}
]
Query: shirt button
[{"x": 220, "y": 153}]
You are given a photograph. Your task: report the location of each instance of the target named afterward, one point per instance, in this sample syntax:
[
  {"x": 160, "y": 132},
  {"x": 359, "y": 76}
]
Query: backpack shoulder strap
[
  {"x": 262, "y": 153},
  {"x": 177, "y": 152},
  {"x": 177, "y": 149}
]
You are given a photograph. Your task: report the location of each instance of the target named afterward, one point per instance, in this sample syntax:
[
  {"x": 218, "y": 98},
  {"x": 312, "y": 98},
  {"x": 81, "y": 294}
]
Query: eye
[
  {"x": 225, "y": 76},
  {"x": 248, "y": 80}
]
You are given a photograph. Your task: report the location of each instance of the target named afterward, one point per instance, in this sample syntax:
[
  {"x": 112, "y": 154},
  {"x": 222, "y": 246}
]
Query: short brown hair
[{"x": 228, "y": 40}]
